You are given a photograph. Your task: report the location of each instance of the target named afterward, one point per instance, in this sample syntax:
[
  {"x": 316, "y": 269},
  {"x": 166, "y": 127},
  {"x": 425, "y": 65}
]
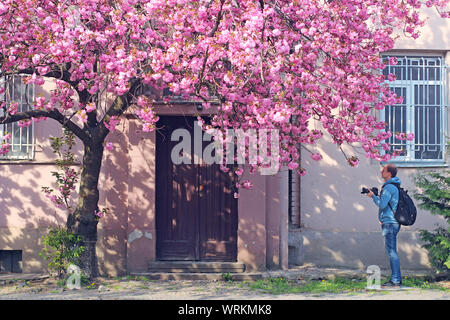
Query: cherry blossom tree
[{"x": 278, "y": 64}]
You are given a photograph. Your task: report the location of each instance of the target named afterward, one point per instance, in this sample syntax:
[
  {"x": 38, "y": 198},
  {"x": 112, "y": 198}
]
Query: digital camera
[{"x": 373, "y": 189}]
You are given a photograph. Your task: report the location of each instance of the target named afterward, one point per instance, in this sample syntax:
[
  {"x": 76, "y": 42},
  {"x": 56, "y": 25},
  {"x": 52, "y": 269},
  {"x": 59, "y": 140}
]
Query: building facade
[
  {"x": 165, "y": 212},
  {"x": 159, "y": 211}
]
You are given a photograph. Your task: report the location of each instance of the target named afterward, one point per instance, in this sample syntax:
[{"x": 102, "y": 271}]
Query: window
[
  {"x": 421, "y": 81},
  {"x": 294, "y": 198},
  {"x": 11, "y": 261},
  {"x": 22, "y": 139}
]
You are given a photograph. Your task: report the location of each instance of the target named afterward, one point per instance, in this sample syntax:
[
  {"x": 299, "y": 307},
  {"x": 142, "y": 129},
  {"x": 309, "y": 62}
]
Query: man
[{"x": 387, "y": 203}]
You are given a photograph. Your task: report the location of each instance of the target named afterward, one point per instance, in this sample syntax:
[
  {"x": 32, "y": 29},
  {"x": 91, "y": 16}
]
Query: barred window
[
  {"x": 294, "y": 198},
  {"x": 22, "y": 139},
  {"x": 421, "y": 81}
]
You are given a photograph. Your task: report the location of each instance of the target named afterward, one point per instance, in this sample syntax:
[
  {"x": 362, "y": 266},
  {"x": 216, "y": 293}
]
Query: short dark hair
[{"x": 392, "y": 168}]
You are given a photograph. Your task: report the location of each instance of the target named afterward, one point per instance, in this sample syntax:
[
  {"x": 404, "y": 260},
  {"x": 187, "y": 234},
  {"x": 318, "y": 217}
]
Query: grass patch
[
  {"x": 337, "y": 285},
  {"x": 423, "y": 283},
  {"x": 285, "y": 286}
]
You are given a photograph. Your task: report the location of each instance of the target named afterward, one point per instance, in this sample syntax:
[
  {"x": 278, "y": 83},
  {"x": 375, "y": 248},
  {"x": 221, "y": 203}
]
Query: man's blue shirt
[{"x": 389, "y": 194}]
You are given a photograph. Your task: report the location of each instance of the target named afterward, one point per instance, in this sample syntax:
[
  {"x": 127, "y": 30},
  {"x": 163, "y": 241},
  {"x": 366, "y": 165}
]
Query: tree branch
[
  {"x": 53, "y": 114},
  {"x": 117, "y": 108},
  {"x": 219, "y": 17},
  {"x": 56, "y": 71}
]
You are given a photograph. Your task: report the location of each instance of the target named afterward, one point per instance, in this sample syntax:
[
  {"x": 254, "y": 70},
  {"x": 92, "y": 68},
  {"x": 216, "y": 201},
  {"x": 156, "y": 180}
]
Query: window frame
[
  {"x": 11, "y": 261},
  {"x": 410, "y": 160},
  {"x": 28, "y": 132}
]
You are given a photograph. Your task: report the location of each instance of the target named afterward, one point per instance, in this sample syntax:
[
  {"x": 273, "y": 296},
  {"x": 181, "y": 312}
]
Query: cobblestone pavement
[{"x": 127, "y": 288}]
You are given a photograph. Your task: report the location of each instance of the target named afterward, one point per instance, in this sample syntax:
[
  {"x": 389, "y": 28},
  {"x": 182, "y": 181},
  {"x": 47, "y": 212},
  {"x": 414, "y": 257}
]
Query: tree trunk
[{"x": 83, "y": 221}]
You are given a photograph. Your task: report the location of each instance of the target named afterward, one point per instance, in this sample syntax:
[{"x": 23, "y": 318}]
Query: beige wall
[
  {"x": 433, "y": 36},
  {"x": 340, "y": 226}
]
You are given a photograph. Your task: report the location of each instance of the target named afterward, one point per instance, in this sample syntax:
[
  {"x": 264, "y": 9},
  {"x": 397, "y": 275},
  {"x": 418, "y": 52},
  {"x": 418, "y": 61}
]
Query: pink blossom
[
  {"x": 400, "y": 136},
  {"x": 393, "y": 61},
  {"x": 43, "y": 70},
  {"x": 392, "y": 77},
  {"x": 25, "y": 123},
  {"x": 90, "y": 107},
  {"x": 316, "y": 156},
  {"x": 99, "y": 214},
  {"x": 111, "y": 125},
  {"x": 37, "y": 80},
  {"x": 286, "y": 67},
  {"x": 36, "y": 58},
  {"x": 13, "y": 108},
  {"x": 292, "y": 165},
  {"x": 3, "y": 8},
  {"x": 246, "y": 184},
  {"x": 353, "y": 161},
  {"x": 301, "y": 172},
  {"x": 40, "y": 101},
  {"x": 4, "y": 149},
  {"x": 109, "y": 146},
  {"x": 82, "y": 115}
]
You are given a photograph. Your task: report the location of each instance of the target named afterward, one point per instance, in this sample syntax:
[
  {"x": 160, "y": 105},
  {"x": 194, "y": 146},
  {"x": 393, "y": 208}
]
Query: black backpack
[{"x": 406, "y": 210}]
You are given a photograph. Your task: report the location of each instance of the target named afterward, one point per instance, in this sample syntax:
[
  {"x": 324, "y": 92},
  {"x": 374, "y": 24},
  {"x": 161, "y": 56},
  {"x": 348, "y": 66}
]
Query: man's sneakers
[{"x": 391, "y": 285}]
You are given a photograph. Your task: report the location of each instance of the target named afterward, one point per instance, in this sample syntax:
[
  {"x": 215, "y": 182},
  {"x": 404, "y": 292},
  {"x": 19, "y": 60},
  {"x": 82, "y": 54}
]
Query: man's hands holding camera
[{"x": 370, "y": 192}]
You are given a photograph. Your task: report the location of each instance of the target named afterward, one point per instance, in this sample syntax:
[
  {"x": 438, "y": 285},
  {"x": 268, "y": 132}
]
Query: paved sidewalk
[
  {"x": 205, "y": 290},
  {"x": 313, "y": 272},
  {"x": 310, "y": 272},
  {"x": 208, "y": 290}
]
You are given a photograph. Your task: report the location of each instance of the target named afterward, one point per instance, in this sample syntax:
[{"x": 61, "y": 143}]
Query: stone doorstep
[
  {"x": 195, "y": 267},
  {"x": 197, "y": 270},
  {"x": 198, "y": 276}
]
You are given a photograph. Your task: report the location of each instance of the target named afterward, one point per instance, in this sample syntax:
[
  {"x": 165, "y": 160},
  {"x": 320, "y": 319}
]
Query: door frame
[{"x": 199, "y": 253}]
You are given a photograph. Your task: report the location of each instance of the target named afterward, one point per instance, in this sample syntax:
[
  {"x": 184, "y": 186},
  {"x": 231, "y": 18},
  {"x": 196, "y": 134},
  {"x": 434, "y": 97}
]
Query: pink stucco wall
[
  {"x": 254, "y": 244},
  {"x": 127, "y": 236}
]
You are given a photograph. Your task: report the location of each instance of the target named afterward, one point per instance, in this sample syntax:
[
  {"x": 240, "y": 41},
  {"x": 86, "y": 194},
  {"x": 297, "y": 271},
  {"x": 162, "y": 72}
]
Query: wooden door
[
  {"x": 218, "y": 215},
  {"x": 196, "y": 213},
  {"x": 176, "y": 197}
]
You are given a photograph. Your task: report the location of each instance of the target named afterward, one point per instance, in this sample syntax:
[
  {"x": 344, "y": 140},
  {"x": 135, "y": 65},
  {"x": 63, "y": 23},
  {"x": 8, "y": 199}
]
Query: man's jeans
[{"x": 389, "y": 231}]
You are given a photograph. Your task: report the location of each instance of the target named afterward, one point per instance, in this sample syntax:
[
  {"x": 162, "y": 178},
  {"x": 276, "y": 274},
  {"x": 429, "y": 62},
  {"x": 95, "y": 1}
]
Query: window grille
[
  {"x": 294, "y": 198},
  {"x": 22, "y": 139},
  {"x": 421, "y": 81}
]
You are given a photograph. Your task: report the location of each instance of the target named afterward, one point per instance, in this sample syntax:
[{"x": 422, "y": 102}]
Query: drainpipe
[{"x": 284, "y": 218}]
